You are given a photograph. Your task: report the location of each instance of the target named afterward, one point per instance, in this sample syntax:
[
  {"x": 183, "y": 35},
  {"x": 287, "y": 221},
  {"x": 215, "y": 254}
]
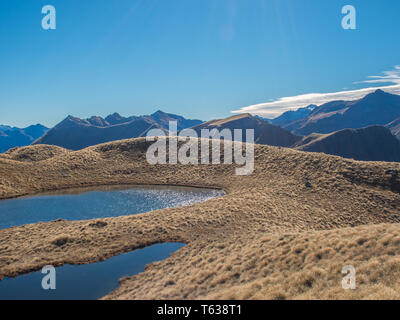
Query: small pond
[
  {"x": 85, "y": 282},
  {"x": 99, "y": 202}
]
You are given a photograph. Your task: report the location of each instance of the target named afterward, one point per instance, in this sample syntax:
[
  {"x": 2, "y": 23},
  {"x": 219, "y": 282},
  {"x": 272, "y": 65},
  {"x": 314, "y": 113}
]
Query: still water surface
[
  {"x": 85, "y": 282},
  {"x": 92, "y": 203}
]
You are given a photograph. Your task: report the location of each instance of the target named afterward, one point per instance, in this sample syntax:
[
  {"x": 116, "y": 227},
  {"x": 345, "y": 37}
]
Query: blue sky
[{"x": 199, "y": 58}]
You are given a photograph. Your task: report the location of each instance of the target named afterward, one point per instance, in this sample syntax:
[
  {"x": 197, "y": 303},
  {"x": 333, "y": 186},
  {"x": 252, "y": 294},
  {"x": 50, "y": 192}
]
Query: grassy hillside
[{"x": 284, "y": 232}]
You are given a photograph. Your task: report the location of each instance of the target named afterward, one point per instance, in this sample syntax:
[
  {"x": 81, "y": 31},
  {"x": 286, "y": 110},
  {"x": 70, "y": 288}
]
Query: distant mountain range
[
  {"x": 75, "y": 134},
  {"x": 377, "y": 108},
  {"x": 374, "y": 143},
  {"x": 364, "y": 129},
  {"x": 11, "y": 137}
]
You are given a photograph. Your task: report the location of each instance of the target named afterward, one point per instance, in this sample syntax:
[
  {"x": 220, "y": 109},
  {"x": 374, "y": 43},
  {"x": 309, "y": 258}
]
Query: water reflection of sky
[{"x": 83, "y": 204}]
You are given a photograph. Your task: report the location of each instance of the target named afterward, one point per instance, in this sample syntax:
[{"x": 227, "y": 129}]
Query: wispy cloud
[
  {"x": 276, "y": 107},
  {"x": 392, "y": 76}
]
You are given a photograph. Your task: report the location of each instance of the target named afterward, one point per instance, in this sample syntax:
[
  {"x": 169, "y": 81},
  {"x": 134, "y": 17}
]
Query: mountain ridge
[
  {"x": 374, "y": 143},
  {"x": 74, "y": 133},
  {"x": 293, "y": 115},
  {"x": 377, "y": 108}
]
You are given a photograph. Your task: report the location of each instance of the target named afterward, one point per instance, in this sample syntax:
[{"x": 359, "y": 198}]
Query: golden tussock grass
[{"x": 284, "y": 232}]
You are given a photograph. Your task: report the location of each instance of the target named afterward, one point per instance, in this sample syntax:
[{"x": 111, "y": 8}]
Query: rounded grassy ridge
[
  {"x": 33, "y": 153},
  {"x": 284, "y": 232}
]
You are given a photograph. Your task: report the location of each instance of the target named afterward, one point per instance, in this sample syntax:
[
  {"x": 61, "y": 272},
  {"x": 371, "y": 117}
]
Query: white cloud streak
[
  {"x": 275, "y": 108},
  {"x": 392, "y": 76}
]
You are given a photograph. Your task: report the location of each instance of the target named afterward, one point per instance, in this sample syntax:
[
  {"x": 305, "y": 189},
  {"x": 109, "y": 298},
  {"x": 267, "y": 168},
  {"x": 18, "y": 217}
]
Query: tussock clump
[
  {"x": 98, "y": 224},
  {"x": 61, "y": 240}
]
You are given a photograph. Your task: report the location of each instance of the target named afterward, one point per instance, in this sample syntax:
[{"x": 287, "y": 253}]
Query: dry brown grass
[
  {"x": 287, "y": 266},
  {"x": 33, "y": 153},
  {"x": 271, "y": 236}
]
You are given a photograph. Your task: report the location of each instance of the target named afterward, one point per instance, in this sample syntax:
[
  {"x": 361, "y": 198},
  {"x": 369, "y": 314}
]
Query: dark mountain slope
[
  {"x": 74, "y": 133},
  {"x": 375, "y": 143}
]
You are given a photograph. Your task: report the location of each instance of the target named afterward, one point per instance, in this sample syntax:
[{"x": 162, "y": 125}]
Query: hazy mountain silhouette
[
  {"x": 377, "y": 108},
  {"x": 75, "y": 134},
  {"x": 7, "y": 128},
  {"x": 11, "y": 137}
]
